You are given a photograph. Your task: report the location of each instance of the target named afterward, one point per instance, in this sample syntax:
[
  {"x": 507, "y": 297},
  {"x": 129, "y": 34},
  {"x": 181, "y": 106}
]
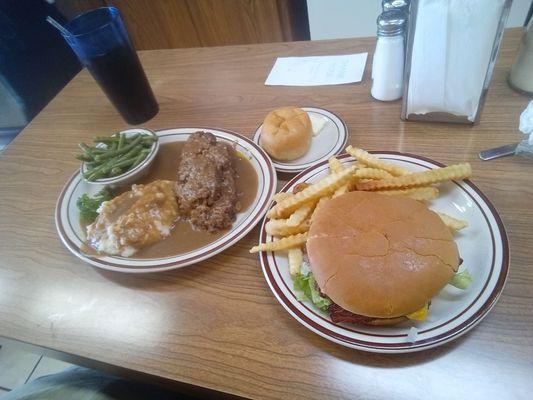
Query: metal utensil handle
[{"x": 497, "y": 152}]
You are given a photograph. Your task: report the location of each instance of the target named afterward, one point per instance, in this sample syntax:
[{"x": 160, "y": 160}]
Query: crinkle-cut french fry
[
  {"x": 342, "y": 190},
  {"x": 278, "y": 197},
  {"x": 288, "y": 242},
  {"x": 347, "y": 187},
  {"x": 334, "y": 165},
  {"x": 453, "y": 172},
  {"x": 296, "y": 258},
  {"x": 319, "y": 189},
  {"x": 372, "y": 161},
  {"x": 372, "y": 173},
  {"x": 320, "y": 203},
  {"x": 300, "y": 214},
  {"x": 418, "y": 193},
  {"x": 300, "y": 186},
  {"x": 452, "y": 223},
  {"x": 279, "y": 227}
]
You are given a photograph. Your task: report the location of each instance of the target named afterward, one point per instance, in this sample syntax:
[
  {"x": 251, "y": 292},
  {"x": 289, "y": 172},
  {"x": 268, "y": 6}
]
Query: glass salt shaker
[
  {"x": 402, "y": 5},
  {"x": 389, "y": 57}
]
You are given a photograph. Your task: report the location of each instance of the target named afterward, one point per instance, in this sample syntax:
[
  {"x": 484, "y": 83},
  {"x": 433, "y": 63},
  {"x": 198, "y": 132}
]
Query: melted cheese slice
[{"x": 419, "y": 315}]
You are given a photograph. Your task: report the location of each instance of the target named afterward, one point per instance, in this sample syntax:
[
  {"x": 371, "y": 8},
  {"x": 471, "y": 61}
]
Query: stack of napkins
[{"x": 451, "y": 53}]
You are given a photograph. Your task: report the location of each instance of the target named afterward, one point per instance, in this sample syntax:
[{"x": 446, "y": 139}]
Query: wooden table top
[{"x": 216, "y": 325}]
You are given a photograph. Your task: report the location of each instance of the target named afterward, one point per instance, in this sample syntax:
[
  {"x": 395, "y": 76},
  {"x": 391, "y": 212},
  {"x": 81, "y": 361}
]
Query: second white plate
[{"x": 331, "y": 140}]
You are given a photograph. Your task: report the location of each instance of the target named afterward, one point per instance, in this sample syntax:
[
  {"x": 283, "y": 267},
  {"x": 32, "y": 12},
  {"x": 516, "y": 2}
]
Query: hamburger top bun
[
  {"x": 380, "y": 256},
  {"x": 286, "y": 133}
]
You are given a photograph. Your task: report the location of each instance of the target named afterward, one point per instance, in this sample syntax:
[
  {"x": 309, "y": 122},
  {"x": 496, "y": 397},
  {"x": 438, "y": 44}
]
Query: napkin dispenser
[{"x": 452, "y": 47}]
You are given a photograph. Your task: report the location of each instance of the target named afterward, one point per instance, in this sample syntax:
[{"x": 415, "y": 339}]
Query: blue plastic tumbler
[{"x": 100, "y": 39}]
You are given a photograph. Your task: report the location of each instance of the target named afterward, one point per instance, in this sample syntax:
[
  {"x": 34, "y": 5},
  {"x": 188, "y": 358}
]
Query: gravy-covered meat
[
  {"x": 135, "y": 219},
  {"x": 207, "y": 195}
]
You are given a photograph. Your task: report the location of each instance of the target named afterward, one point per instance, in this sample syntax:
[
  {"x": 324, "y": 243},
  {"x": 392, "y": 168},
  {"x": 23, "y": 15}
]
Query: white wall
[{"x": 335, "y": 19}]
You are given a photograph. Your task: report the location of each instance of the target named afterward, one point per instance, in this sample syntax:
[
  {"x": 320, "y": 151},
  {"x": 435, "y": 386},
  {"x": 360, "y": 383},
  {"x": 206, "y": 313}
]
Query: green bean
[
  {"x": 115, "y": 171},
  {"x": 124, "y": 163},
  {"x": 84, "y": 157},
  {"x": 132, "y": 153},
  {"x": 142, "y": 155},
  {"x": 90, "y": 175},
  {"x": 121, "y": 140},
  {"x": 86, "y": 150},
  {"x": 103, "y": 166},
  {"x": 93, "y": 177},
  {"x": 97, "y": 173},
  {"x": 91, "y": 151},
  {"x": 125, "y": 149}
]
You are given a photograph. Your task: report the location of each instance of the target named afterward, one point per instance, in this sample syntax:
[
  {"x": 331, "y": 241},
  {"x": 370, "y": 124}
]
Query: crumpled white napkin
[{"x": 525, "y": 147}]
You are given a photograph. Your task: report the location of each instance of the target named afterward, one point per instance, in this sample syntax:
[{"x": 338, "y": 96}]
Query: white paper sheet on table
[{"x": 316, "y": 71}]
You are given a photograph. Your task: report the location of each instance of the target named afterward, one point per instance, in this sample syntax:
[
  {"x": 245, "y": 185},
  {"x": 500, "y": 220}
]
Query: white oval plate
[
  {"x": 329, "y": 141},
  {"x": 482, "y": 245},
  {"x": 70, "y": 232}
]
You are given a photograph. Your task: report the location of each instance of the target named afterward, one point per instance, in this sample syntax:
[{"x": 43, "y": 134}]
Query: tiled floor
[{"x": 18, "y": 367}]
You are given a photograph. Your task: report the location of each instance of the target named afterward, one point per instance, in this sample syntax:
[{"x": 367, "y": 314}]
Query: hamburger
[{"x": 376, "y": 259}]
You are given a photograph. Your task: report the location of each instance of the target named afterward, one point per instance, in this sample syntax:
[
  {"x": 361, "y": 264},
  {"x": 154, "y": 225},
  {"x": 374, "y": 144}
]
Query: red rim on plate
[
  {"x": 449, "y": 325},
  {"x": 71, "y": 235}
]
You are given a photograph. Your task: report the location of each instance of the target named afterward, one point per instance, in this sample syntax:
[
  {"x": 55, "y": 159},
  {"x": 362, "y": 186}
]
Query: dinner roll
[{"x": 286, "y": 133}]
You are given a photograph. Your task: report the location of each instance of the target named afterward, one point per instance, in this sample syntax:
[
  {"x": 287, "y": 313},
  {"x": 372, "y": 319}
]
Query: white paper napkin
[{"x": 525, "y": 147}]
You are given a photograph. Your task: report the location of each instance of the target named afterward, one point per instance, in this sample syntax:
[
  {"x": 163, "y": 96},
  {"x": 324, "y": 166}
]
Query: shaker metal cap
[
  {"x": 391, "y": 23},
  {"x": 402, "y": 5}
]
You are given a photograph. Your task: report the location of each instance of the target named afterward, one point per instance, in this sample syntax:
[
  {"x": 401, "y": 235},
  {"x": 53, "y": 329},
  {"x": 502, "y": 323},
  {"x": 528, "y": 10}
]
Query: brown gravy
[{"x": 183, "y": 238}]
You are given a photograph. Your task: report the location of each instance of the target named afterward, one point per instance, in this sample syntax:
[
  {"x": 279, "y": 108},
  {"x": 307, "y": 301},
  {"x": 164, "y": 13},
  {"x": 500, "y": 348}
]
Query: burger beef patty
[
  {"x": 339, "y": 314},
  {"x": 206, "y": 187}
]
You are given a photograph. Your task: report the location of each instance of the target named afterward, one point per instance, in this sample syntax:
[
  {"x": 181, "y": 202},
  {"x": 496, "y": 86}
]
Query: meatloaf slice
[{"x": 206, "y": 186}]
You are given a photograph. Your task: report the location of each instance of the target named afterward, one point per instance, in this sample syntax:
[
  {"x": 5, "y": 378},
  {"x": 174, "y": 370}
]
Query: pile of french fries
[{"x": 291, "y": 216}]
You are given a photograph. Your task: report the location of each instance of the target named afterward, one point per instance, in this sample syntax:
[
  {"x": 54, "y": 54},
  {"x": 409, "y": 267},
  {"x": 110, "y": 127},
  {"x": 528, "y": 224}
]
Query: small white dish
[
  {"x": 331, "y": 140},
  {"x": 483, "y": 246},
  {"x": 134, "y": 174}
]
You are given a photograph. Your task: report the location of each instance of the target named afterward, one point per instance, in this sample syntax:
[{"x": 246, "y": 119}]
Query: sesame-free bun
[
  {"x": 380, "y": 256},
  {"x": 286, "y": 133}
]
